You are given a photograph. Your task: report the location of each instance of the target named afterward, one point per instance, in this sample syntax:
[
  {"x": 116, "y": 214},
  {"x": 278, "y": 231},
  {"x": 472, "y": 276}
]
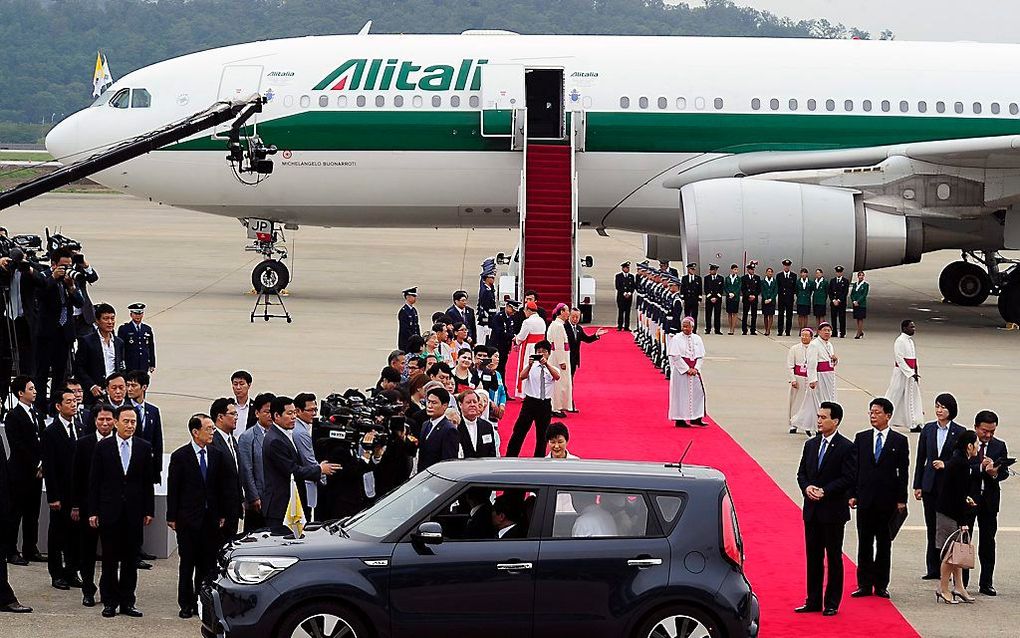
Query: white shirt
[
  {"x": 287, "y": 433},
  {"x": 569, "y": 457},
  {"x": 539, "y": 383},
  {"x": 502, "y": 532},
  {"x": 198, "y": 456},
  {"x": 232, "y": 448},
  {"x": 109, "y": 354},
  {"x": 594, "y": 521},
  {"x": 100, "y": 437},
  {"x": 242, "y": 418},
  {"x": 68, "y": 426},
  {"x": 874, "y": 438}
]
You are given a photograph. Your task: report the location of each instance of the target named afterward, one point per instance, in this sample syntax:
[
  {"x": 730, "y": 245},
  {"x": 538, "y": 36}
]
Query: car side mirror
[{"x": 429, "y": 533}]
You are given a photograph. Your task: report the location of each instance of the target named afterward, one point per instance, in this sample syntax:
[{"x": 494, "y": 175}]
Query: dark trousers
[
  {"x": 622, "y": 313},
  {"x": 785, "y": 319},
  {"x": 62, "y": 548},
  {"x": 752, "y": 307},
  {"x": 26, "y": 346},
  {"x": 228, "y": 532},
  {"x": 691, "y": 310},
  {"x": 6, "y": 593},
  {"x": 253, "y": 521},
  {"x": 51, "y": 360},
  {"x": 874, "y": 548},
  {"x": 121, "y": 540},
  {"x": 932, "y": 554},
  {"x": 276, "y": 525},
  {"x": 713, "y": 312},
  {"x": 197, "y": 549},
  {"x": 24, "y": 515},
  {"x": 89, "y": 539},
  {"x": 838, "y": 316},
  {"x": 824, "y": 543},
  {"x": 504, "y": 356},
  {"x": 534, "y": 411},
  {"x": 987, "y": 525}
]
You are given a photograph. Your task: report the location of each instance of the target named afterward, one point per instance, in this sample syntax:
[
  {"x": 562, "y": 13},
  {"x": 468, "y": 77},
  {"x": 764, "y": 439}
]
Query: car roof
[{"x": 577, "y": 472}]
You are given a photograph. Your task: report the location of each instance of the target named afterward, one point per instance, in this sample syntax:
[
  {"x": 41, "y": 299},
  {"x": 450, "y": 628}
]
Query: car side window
[
  {"x": 669, "y": 507},
  {"x": 488, "y": 512},
  {"x": 590, "y": 514}
]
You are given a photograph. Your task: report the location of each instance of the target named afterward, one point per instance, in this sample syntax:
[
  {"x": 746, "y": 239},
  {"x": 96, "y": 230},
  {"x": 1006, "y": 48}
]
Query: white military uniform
[
  {"x": 563, "y": 388},
  {"x": 686, "y": 392},
  {"x": 796, "y": 365},
  {"x": 532, "y": 331},
  {"x": 904, "y": 391},
  {"x": 821, "y": 370}
]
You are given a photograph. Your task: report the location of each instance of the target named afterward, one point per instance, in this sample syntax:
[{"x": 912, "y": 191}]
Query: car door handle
[
  {"x": 513, "y": 567},
  {"x": 644, "y": 562}
]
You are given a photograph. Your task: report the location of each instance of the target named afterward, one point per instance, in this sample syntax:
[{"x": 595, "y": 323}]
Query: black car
[{"x": 502, "y": 548}]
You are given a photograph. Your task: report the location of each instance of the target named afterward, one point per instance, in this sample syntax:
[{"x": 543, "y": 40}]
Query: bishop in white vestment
[
  {"x": 821, "y": 378},
  {"x": 686, "y": 390},
  {"x": 563, "y": 388}
]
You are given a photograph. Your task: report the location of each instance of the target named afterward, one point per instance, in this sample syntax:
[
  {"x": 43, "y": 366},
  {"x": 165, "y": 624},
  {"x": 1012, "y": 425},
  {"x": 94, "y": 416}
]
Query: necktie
[
  {"x": 125, "y": 456},
  {"x": 878, "y": 446},
  {"x": 541, "y": 374},
  {"x": 981, "y": 453},
  {"x": 821, "y": 452},
  {"x": 70, "y": 431},
  {"x": 63, "y": 307},
  {"x": 233, "y": 447},
  {"x": 201, "y": 463}
]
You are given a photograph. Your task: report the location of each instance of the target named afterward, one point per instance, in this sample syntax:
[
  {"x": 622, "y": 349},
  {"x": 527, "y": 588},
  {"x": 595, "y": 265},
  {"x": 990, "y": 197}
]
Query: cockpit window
[
  {"x": 121, "y": 100},
  {"x": 140, "y": 99},
  {"x": 102, "y": 99}
]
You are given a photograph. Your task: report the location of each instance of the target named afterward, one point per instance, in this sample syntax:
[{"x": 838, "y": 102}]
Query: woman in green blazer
[
  {"x": 769, "y": 292},
  {"x": 859, "y": 302}
]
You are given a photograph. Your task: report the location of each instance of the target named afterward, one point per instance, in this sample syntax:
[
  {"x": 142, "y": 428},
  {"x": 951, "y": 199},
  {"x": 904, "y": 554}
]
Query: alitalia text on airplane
[{"x": 380, "y": 74}]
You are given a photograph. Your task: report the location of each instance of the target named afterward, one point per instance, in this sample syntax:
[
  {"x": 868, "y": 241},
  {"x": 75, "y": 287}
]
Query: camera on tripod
[
  {"x": 22, "y": 249},
  {"x": 346, "y": 419}
]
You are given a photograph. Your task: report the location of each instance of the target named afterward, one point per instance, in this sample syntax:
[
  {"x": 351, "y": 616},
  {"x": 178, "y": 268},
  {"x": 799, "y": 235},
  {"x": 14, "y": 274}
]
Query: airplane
[{"x": 861, "y": 153}]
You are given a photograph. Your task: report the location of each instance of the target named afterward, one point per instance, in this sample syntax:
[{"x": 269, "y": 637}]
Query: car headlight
[{"x": 252, "y": 570}]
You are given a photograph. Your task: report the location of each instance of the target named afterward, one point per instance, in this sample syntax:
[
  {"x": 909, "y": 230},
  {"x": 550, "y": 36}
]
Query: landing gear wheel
[
  {"x": 322, "y": 619},
  {"x": 270, "y": 276},
  {"x": 678, "y": 622},
  {"x": 1009, "y": 304},
  {"x": 965, "y": 284}
]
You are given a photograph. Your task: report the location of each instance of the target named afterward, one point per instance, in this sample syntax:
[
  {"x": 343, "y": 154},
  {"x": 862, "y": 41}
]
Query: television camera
[{"x": 346, "y": 419}]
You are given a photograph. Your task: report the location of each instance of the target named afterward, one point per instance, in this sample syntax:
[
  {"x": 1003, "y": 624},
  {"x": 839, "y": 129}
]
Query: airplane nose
[{"x": 62, "y": 140}]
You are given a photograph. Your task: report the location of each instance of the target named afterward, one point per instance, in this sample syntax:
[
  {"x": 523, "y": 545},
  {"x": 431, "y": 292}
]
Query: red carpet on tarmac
[{"x": 618, "y": 391}]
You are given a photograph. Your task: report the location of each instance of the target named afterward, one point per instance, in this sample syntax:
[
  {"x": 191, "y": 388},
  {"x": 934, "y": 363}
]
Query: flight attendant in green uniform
[
  {"x": 859, "y": 302},
  {"x": 731, "y": 293},
  {"x": 769, "y": 292},
  {"x": 820, "y": 298},
  {"x": 805, "y": 289}
]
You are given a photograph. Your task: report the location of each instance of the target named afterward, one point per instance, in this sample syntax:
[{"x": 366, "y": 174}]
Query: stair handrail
[
  {"x": 575, "y": 265},
  {"x": 522, "y": 203}
]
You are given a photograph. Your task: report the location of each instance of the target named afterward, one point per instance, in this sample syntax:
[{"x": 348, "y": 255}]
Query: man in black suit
[
  {"x": 879, "y": 493},
  {"x": 88, "y": 536},
  {"x": 57, "y": 301},
  {"x": 24, "y": 425},
  {"x": 150, "y": 422},
  {"x": 690, "y": 292},
  {"x": 121, "y": 504},
  {"x": 508, "y": 517},
  {"x": 460, "y": 312},
  {"x": 934, "y": 449},
  {"x": 665, "y": 268},
  {"x": 786, "y": 282},
  {"x": 750, "y": 293},
  {"x": 839, "y": 290},
  {"x": 713, "y": 289},
  {"x": 224, "y": 416},
  {"x": 8, "y": 601},
  {"x": 576, "y": 335},
  {"x": 624, "y": 296},
  {"x": 825, "y": 475},
  {"x": 194, "y": 499},
  {"x": 477, "y": 436},
  {"x": 479, "y": 509},
  {"x": 90, "y": 361},
  {"x": 439, "y": 440},
  {"x": 502, "y": 331},
  {"x": 58, "y": 442},
  {"x": 989, "y": 465},
  {"x": 282, "y": 462}
]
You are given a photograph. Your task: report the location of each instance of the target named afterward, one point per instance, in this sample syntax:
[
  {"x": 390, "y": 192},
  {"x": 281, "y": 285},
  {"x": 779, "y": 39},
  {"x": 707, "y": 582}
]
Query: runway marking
[
  {"x": 921, "y": 528},
  {"x": 975, "y": 365}
]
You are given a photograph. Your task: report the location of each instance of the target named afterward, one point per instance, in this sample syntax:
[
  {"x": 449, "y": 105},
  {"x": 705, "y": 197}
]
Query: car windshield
[{"x": 398, "y": 507}]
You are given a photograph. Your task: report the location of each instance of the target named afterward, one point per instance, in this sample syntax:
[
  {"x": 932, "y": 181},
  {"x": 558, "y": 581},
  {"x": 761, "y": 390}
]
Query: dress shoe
[
  {"x": 146, "y": 556},
  {"x": 559, "y": 414},
  {"x": 806, "y": 609},
  {"x": 131, "y": 612},
  {"x": 16, "y": 608},
  {"x": 185, "y": 614},
  {"x": 882, "y": 593},
  {"x": 60, "y": 583},
  {"x": 930, "y": 577},
  {"x": 915, "y": 429},
  {"x": 88, "y": 600},
  {"x": 574, "y": 411},
  {"x": 829, "y": 611},
  {"x": 861, "y": 593},
  {"x": 36, "y": 557},
  {"x": 17, "y": 559},
  {"x": 793, "y": 430},
  {"x": 74, "y": 581},
  {"x": 988, "y": 591},
  {"x": 680, "y": 423},
  {"x": 109, "y": 612},
  {"x": 141, "y": 564}
]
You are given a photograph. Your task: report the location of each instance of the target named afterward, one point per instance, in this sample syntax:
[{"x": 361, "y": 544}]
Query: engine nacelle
[{"x": 734, "y": 220}]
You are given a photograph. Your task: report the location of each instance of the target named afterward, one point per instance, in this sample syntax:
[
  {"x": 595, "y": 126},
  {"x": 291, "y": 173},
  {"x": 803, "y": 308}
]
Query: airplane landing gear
[
  {"x": 271, "y": 275},
  {"x": 965, "y": 284},
  {"x": 970, "y": 281}
]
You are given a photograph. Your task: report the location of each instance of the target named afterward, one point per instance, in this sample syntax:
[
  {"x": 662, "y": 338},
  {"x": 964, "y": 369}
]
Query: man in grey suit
[
  {"x": 306, "y": 413},
  {"x": 249, "y": 460}
]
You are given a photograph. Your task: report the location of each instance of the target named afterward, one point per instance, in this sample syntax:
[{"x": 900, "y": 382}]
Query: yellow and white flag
[
  {"x": 295, "y": 516},
  {"x": 101, "y": 77}
]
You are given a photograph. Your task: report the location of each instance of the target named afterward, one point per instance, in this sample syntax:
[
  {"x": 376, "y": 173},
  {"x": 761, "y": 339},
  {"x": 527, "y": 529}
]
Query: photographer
[
  {"x": 84, "y": 275},
  {"x": 57, "y": 301},
  {"x": 537, "y": 386},
  {"x": 397, "y": 460},
  {"x": 21, "y": 283}
]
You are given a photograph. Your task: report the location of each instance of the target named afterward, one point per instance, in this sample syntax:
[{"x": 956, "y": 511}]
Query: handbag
[{"x": 962, "y": 551}]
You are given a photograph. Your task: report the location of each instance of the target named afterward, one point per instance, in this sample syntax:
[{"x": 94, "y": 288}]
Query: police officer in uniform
[
  {"x": 502, "y": 326},
  {"x": 713, "y": 290},
  {"x": 487, "y": 305},
  {"x": 839, "y": 290},
  {"x": 139, "y": 342},
  {"x": 624, "y": 296},
  {"x": 690, "y": 292},
  {"x": 408, "y": 319},
  {"x": 750, "y": 293},
  {"x": 787, "y": 281}
]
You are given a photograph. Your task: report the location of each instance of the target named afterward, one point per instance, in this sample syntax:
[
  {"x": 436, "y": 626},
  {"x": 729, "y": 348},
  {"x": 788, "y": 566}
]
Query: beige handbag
[{"x": 962, "y": 551}]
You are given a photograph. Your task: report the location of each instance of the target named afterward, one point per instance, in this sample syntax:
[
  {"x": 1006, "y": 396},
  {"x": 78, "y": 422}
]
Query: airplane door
[
  {"x": 238, "y": 82},
  {"x": 502, "y": 92}
]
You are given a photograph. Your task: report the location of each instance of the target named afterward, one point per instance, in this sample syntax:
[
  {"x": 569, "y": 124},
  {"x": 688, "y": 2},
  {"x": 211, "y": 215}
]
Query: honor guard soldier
[
  {"x": 839, "y": 289},
  {"x": 408, "y": 319},
  {"x": 690, "y": 292},
  {"x": 713, "y": 289},
  {"x": 503, "y": 327},
  {"x": 750, "y": 293},
  {"x": 487, "y": 306},
  {"x": 625, "y": 284},
  {"x": 787, "y": 294},
  {"x": 139, "y": 343}
]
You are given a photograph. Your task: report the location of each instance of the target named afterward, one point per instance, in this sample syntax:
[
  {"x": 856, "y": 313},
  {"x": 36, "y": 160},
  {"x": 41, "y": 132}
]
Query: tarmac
[{"x": 190, "y": 270}]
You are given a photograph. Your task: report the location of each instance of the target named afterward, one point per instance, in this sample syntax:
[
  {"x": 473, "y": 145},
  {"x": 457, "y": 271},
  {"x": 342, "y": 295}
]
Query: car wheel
[
  {"x": 678, "y": 622},
  {"x": 322, "y": 620}
]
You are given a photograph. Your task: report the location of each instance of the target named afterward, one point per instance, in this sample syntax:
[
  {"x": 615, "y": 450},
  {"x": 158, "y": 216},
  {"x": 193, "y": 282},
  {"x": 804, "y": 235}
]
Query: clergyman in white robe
[
  {"x": 796, "y": 367},
  {"x": 686, "y": 353},
  {"x": 904, "y": 390},
  {"x": 821, "y": 371},
  {"x": 563, "y": 388}
]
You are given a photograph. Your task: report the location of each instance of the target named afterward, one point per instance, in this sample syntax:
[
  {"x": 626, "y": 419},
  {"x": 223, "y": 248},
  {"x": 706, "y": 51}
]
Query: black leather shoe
[
  {"x": 829, "y": 611},
  {"x": 916, "y": 429},
  {"x": 861, "y": 593},
  {"x": 988, "y": 591},
  {"x": 17, "y": 559},
  {"x": 143, "y": 565},
  {"x": 131, "y": 612},
  {"x": 36, "y": 557},
  {"x": 88, "y": 600},
  {"x": 806, "y": 609},
  {"x": 145, "y": 556},
  {"x": 680, "y": 423},
  {"x": 793, "y": 430},
  {"x": 185, "y": 614},
  {"x": 882, "y": 593},
  {"x": 109, "y": 612},
  {"x": 60, "y": 583},
  {"x": 16, "y": 608},
  {"x": 930, "y": 577},
  {"x": 74, "y": 581}
]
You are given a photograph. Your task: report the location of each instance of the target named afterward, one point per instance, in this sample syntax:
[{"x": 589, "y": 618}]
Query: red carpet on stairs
[
  {"x": 619, "y": 392},
  {"x": 548, "y": 224}
]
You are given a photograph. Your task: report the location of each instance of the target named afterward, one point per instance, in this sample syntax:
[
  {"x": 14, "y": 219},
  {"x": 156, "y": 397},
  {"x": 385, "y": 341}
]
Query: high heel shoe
[
  {"x": 940, "y": 598},
  {"x": 967, "y": 599}
]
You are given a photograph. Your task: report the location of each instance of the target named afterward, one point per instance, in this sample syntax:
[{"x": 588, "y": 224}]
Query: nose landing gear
[{"x": 270, "y": 277}]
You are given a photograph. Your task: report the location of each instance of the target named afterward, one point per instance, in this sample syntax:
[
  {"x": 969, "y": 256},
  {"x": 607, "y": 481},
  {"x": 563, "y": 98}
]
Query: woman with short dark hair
[{"x": 954, "y": 504}]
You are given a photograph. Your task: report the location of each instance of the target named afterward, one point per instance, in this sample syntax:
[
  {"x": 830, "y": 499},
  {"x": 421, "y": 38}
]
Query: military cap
[
  {"x": 713, "y": 266},
  {"x": 411, "y": 292},
  {"x": 839, "y": 269},
  {"x": 136, "y": 307},
  {"x": 787, "y": 262},
  {"x": 625, "y": 264},
  {"x": 516, "y": 305},
  {"x": 692, "y": 265}
]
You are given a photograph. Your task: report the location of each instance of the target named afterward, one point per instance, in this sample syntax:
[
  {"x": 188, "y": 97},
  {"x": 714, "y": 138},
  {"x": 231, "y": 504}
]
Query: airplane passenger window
[
  {"x": 624, "y": 102},
  {"x": 454, "y": 101},
  {"x": 642, "y": 102},
  {"x": 904, "y": 106},
  {"x": 995, "y": 108},
  {"x": 122, "y": 99},
  {"x": 663, "y": 103},
  {"x": 940, "y": 106},
  {"x": 416, "y": 101},
  {"x": 922, "y": 107},
  {"x": 756, "y": 104},
  {"x": 958, "y": 107},
  {"x": 473, "y": 101},
  {"x": 288, "y": 101},
  {"x": 437, "y": 101},
  {"x": 793, "y": 104},
  {"x": 1014, "y": 108},
  {"x": 323, "y": 101},
  {"x": 830, "y": 105},
  {"x": 718, "y": 103},
  {"x": 774, "y": 104},
  {"x": 866, "y": 105},
  {"x": 398, "y": 101},
  {"x": 380, "y": 101},
  {"x": 342, "y": 101},
  {"x": 699, "y": 103},
  {"x": 812, "y": 105},
  {"x": 848, "y": 105},
  {"x": 360, "y": 101},
  {"x": 681, "y": 103},
  {"x": 977, "y": 107},
  {"x": 305, "y": 101},
  {"x": 886, "y": 106},
  {"x": 140, "y": 99}
]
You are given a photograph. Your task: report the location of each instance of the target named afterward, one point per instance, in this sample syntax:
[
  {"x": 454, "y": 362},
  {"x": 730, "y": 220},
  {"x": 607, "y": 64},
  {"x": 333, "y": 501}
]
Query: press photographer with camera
[
  {"x": 57, "y": 300},
  {"x": 21, "y": 280},
  {"x": 537, "y": 386}
]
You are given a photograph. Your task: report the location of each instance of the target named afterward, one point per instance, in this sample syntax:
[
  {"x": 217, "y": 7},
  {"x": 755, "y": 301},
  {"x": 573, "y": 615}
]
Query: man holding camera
[
  {"x": 539, "y": 376},
  {"x": 57, "y": 301},
  {"x": 23, "y": 282}
]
